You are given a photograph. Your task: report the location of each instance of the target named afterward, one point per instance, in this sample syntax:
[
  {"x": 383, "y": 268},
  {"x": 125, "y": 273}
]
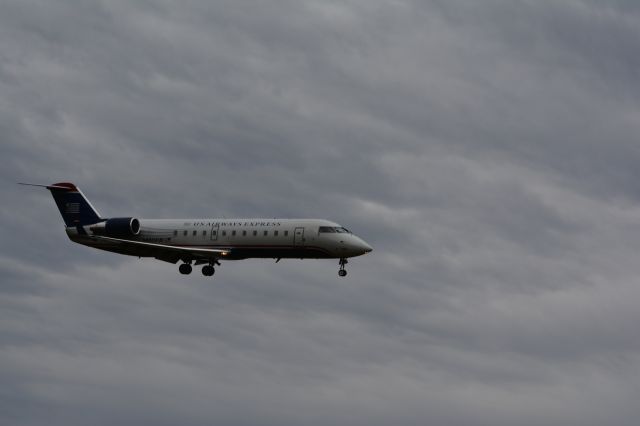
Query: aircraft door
[
  {"x": 298, "y": 237},
  {"x": 214, "y": 232}
]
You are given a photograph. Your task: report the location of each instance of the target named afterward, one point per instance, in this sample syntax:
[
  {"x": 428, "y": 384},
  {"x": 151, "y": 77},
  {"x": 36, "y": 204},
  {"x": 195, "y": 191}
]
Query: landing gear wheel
[
  {"x": 343, "y": 272},
  {"x": 185, "y": 269},
  {"x": 208, "y": 270}
]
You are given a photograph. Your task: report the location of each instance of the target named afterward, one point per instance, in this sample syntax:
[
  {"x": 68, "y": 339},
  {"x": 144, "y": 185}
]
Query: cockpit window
[{"x": 333, "y": 229}]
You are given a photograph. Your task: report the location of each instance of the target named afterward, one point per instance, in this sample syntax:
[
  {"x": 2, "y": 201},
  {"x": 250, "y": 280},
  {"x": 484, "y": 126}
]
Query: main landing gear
[
  {"x": 207, "y": 270},
  {"x": 343, "y": 272},
  {"x": 185, "y": 269}
]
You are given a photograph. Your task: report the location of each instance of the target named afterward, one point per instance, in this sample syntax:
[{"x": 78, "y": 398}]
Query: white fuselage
[
  {"x": 244, "y": 238},
  {"x": 202, "y": 241}
]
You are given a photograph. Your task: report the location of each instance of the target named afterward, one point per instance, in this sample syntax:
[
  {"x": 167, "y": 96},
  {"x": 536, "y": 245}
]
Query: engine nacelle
[{"x": 118, "y": 227}]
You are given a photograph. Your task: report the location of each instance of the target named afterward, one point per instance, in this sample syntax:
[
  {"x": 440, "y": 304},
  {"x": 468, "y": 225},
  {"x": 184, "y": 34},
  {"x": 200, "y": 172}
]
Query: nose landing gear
[{"x": 343, "y": 272}]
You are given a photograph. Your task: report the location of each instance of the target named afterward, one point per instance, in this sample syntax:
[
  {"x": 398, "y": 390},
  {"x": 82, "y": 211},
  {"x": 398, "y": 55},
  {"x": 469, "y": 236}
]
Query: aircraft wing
[{"x": 164, "y": 252}]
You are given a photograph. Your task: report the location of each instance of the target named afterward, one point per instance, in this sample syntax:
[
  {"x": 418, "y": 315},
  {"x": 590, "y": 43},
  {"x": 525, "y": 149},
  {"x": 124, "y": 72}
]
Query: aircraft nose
[
  {"x": 355, "y": 246},
  {"x": 366, "y": 248}
]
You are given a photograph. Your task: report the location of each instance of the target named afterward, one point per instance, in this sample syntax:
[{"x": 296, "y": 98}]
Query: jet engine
[{"x": 117, "y": 227}]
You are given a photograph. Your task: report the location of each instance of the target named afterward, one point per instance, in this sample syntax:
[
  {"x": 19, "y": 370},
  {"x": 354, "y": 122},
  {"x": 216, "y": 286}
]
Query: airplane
[{"x": 203, "y": 241}]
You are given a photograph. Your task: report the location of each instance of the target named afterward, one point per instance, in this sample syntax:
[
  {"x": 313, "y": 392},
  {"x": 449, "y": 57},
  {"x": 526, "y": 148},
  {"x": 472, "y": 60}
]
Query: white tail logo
[{"x": 72, "y": 208}]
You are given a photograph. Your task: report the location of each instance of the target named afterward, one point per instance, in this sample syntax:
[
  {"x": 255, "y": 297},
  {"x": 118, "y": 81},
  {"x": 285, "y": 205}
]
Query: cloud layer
[{"x": 487, "y": 151}]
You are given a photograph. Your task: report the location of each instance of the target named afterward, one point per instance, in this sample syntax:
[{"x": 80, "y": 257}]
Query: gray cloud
[{"x": 487, "y": 150}]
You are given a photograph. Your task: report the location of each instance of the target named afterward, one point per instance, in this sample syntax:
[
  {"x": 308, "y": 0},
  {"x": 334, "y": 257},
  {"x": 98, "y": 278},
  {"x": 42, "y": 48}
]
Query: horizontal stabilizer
[{"x": 64, "y": 186}]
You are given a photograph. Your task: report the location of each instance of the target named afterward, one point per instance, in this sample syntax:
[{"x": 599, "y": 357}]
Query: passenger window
[
  {"x": 233, "y": 233},
  {"x": 224, "y": 233},
  {"x": 244, "y": 233},
  {"x": 255, "y": 233},
  {"x": 265, "y": 233},
  {"x": 286, "y": 233},
  {"x": 214, "y": 233},
  {"x": 275, "y": 233},
  {"x": 175, "y": 233},
  {"x": 194, "y": 233},
  {"x": 204, "y": 233},
  {"x": 184, "y": 233}
]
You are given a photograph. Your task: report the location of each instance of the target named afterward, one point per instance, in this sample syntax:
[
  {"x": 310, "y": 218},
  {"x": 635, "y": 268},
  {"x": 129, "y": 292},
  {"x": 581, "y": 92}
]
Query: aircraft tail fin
[{"x": 74, "y": 207}]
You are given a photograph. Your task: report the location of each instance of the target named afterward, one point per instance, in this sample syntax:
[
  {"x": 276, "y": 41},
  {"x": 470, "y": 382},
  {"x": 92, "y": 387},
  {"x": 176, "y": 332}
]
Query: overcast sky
[{"x": 487, "y": 150}]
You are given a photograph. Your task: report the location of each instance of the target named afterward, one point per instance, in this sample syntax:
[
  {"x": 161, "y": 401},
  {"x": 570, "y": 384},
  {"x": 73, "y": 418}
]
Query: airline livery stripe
[{"x": 231, "y": 248}]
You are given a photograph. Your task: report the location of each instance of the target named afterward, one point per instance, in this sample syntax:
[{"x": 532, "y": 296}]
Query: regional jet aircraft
[{"x": 203, "y": 241}]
